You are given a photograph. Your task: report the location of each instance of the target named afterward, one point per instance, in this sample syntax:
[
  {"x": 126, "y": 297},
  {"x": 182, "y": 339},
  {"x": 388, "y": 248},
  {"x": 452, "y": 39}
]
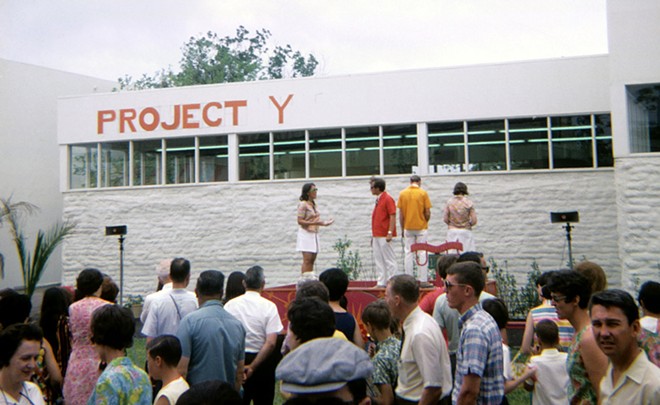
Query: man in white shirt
[
  {"x": 170, "y": 306},
  {"x": 262, "y": 324},
  {"x": 630, "y": 377},
  {"x": 164, "y": 284},
  {"x": 424, "y": 371}
]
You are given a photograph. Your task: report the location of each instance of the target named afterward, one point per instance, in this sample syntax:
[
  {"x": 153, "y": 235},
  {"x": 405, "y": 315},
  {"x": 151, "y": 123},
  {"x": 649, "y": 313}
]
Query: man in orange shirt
[
  {"x": 414, "y": 215},
  {"x": 383, "y": 229}
]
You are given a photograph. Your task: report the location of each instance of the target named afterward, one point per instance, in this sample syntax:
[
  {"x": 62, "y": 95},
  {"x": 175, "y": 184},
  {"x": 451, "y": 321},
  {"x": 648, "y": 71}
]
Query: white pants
[
  {"x": 464, "y": 236},
  {"x": 384, "y": 259},
  {"x": 416, "y": 237}
]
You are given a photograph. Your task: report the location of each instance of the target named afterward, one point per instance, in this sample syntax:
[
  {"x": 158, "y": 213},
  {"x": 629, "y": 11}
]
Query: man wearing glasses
[
  {"x": 479, "y": 376},
  {"x": 447, "y": 317}
]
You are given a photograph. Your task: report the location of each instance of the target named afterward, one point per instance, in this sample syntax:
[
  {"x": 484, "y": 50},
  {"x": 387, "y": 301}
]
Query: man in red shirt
[{"x": 383, "y": 229}]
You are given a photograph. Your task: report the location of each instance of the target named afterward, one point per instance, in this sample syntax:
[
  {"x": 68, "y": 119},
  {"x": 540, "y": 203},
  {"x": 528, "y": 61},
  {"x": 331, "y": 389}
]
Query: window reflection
[
  {"x": 362, "y": 150},
  {"x": 83, "y": 171},
  {"x": 289, "y": 155},
  {"x": 528, "y": 143},
  {"x": 180, "y": 160},
  {"x": 147, "y": 162},
  {"x": 399, "y": 148},
  {"x": 644, "y": 117},
  {"x": 213, "y": 159},
  {"x": 486, "y": 145},
  {"x": 447, "y": 147},
  {"x": 254, "y": 156},
  {"x": 571, "y": 141},
  {"x": 325, "y": 153},
  {"x": 114, "y": 164}
]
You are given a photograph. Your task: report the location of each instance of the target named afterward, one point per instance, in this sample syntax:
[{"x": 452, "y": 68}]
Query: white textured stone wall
[
  {"x": 233, "y": 226},
  {"x": 638, "y": 199}
]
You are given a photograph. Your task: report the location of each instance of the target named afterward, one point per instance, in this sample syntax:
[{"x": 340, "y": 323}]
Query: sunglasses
[
  {"x": 558, "y": 298},
  {"x": 449, "y": 284}
]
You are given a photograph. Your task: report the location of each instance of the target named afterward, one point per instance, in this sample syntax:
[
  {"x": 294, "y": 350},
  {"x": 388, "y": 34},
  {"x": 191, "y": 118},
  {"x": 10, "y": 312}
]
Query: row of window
[{"x": 464, "y": 146}]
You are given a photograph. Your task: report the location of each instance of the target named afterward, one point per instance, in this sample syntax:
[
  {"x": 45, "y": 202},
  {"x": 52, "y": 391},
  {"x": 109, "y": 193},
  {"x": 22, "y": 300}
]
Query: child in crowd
[
  {"x": 551, "y": 381},
  {"x": 163, "y": 355},
  {"x": 497, "y": 309},
  {"x": 378, "y": 319}
]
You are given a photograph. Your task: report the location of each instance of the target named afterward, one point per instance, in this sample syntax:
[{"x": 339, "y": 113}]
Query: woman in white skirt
[
  {"x": 309, "y": 219},
  {"x": 460, "y": 216}
]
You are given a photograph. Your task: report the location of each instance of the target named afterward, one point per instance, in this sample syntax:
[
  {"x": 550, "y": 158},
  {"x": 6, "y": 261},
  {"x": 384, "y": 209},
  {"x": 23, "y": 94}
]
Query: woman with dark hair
[
  {"x": 83, "y": 368},
  {"x": 309, "y": 219},
  {"x": 235, "y": 286},
  {"x": 54, "y": 313},
  {"x": 460, "y": 216},
  {"x": 20, "y": 345},
  {"x": 122, "y": 382},
  {"x": 52, "y": 320},
  {"x": 545, "y": 311}
]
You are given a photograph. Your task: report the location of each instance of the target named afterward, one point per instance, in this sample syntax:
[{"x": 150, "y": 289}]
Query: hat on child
[{"x": 322, "y": 365}]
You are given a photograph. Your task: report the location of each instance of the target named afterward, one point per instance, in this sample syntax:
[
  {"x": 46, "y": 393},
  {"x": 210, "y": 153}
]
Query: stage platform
[{"x": 359, "y": 295}]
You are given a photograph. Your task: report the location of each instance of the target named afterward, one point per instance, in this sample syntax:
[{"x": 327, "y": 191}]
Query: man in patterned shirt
[
  {"x": 378, "y": 319},
  {"x": 479, "y": 376}
]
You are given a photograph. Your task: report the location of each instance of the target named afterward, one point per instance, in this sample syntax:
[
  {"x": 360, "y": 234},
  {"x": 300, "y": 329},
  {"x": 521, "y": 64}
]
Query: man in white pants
[
  {"x": 383, "y": 229},
  {"x": 414, "y": 215}
]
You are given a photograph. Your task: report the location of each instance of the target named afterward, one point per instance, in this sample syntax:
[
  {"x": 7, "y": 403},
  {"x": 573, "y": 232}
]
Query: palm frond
[{"x": 33, "y": 263}]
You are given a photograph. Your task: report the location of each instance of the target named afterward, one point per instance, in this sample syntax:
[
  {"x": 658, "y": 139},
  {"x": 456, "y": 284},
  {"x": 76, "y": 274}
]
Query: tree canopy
[{"x": 211, "y": 59}]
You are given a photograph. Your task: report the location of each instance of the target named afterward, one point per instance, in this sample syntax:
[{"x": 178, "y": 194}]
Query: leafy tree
[
  {"x": 211, "y": 59},
  {"x": 33, "y": 263}
]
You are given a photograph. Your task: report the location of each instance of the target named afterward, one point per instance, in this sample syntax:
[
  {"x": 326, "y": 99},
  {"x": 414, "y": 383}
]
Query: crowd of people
[
  {"x": 225, "y": 343},
  {"x": 584, "y": 344}
]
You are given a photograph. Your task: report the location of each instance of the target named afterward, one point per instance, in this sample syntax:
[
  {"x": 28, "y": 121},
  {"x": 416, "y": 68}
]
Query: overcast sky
[{"x": 110, "y": 38}]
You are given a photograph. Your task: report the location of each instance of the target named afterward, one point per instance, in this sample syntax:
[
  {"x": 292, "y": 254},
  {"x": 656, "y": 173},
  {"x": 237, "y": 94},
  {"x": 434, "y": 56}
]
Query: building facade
[
  {"x": 29, "y": 156},
  {"x": 213, "y": 173}
]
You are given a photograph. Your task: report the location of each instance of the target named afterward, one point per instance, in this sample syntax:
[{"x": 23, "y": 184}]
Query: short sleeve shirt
[
  {"x": 259, "y": 317},
  {"x": 380, "y": 217},
  {"x": 424, "y": 357},
  {"x": 122, "y": 383},
  {"x": 412, "y": 203},
  {"x": 166, "y": 311},
  {"x": 308, "y": 212},
  {"x": 214, "y": 341},
  {"x": 480, "y": 353}
]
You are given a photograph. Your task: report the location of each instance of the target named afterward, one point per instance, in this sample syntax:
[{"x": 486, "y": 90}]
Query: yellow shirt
[
  {"x": 640, "y": 384},
  {"x": 412, "y": 203}
]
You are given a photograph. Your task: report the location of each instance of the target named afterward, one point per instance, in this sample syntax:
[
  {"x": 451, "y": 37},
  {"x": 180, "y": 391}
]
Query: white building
[
  {"x": 213, "y": 173},
  {"x": 29, "y": 157}
]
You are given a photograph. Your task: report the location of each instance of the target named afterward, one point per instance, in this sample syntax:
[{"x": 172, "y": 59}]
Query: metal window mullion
[
  {"x": 343, "y": 152},
  {"x": 271, "y": 156},
  {"x": 507, "y": 147},
  {"x": 594, "y": 155},
  {"x": 131, "y": 157},
  {"x": 466, "y": 148},
  {"x": 381, "y": 152},
  {"x": 98, "y": 165},
  {"x": 196, "y": 161},
  {"x": 307, "y": 157},
  {"x": 163, "y": 162},
  {"x": 551, "y": 157}
]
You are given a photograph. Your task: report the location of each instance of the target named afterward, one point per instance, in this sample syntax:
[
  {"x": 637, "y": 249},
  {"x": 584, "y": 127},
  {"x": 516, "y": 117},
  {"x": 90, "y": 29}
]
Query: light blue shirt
[{"x": 214, "y": 341}]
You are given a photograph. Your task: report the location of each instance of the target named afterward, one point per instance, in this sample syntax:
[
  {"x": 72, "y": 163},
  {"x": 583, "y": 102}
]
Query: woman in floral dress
[{"x": 83, "y": 368}]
